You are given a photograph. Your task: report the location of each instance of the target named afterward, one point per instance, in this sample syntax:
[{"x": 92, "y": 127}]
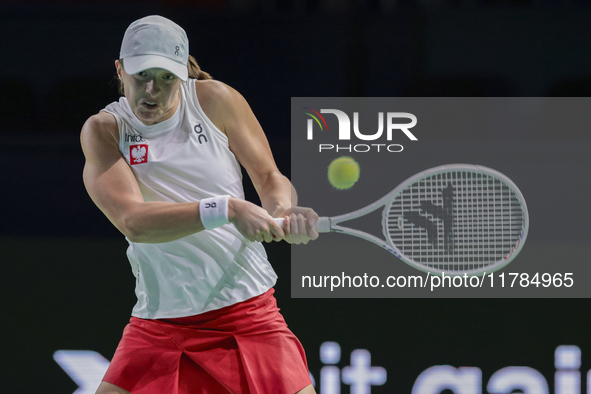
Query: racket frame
[{"x": 331, "y": 224}]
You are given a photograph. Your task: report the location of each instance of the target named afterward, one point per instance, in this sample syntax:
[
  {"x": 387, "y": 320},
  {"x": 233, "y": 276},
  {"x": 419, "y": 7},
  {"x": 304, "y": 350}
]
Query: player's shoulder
[
  {"x": 214, "y": 92},
  {"x": 102, "y": 120},
  {"x": 101, "y": 126}
]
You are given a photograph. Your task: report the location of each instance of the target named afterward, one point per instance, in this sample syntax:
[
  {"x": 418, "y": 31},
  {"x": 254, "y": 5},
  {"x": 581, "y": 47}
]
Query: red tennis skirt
[{"x": 242, "y": 348}]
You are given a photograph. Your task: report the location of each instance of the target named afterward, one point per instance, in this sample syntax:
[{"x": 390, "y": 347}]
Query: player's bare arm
[
  {"x": 230, "y": 112},
  {"x": 114, "y": 189}
]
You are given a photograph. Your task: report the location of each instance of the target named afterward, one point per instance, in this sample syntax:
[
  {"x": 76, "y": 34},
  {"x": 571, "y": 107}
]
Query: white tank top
[{"x": 186, "y": 159}]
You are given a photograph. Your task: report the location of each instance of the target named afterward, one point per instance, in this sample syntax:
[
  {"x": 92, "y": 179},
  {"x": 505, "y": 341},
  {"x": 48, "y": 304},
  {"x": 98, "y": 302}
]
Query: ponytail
[{"x": 195, "y": 71}]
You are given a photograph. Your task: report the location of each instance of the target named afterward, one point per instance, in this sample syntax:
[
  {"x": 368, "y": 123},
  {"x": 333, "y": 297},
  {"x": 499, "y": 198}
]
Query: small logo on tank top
[
  {"x": 138, "y": 154},
  {"x": 199, "y": 130},
  {"x": 134, "y": 138}
]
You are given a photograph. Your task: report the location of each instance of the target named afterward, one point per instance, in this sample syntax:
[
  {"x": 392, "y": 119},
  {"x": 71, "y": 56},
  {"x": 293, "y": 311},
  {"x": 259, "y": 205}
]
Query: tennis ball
[{"x": 343, "y": 172}]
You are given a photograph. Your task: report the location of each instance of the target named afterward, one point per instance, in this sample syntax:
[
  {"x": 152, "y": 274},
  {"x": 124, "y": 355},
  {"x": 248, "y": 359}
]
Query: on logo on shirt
[{"x": 138, "y": 154}]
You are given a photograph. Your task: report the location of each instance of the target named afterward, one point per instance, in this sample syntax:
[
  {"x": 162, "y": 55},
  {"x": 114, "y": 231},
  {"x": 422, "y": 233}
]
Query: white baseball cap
[{"x": 155, "y": 42}]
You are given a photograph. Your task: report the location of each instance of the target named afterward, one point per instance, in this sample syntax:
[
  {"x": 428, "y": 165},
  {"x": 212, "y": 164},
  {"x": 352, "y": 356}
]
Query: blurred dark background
[{"x": 67, "y": 283}]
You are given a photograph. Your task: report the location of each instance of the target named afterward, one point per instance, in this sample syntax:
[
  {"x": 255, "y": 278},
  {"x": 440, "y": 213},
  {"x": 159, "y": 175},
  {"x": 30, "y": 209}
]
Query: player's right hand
[
  {"x": 253, "y": 222},
  {"x": 299, "y": 225}
]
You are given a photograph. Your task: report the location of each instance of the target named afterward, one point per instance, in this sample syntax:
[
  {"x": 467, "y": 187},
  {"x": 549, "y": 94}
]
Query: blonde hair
[{"x": 195, "y": 72}]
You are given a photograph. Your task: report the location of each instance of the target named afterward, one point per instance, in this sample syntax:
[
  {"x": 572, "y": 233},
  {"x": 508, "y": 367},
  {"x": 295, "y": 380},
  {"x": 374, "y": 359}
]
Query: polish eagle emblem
[{"x": 139, "y": 154}]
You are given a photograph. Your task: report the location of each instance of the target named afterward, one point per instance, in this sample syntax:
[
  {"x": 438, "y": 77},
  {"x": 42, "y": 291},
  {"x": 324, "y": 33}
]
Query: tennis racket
[{"x": 455, "y": 219}]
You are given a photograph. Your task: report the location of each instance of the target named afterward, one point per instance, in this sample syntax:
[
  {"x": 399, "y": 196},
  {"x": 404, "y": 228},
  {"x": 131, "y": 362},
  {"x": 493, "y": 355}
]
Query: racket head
[{"x": 456, "y": 219}]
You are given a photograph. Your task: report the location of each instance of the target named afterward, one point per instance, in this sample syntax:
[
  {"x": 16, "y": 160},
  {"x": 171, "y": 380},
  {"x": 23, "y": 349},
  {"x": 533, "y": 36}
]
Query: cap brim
[{"x": 135, "y": 64}]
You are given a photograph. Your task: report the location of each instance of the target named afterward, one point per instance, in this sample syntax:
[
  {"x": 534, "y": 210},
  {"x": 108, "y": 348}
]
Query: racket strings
[{"x": 455, "y": 221}]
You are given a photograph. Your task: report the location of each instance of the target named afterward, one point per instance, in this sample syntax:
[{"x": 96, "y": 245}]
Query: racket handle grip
[{"x": 322, "y": 226}]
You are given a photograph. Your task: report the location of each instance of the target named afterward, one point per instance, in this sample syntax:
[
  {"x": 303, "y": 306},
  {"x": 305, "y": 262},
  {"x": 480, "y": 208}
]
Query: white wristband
[{"x": 214, "y": 211}]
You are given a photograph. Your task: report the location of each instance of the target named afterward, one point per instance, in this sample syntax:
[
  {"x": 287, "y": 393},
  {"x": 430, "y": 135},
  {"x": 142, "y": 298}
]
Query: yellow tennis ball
[{"x": 343, "y": 172}]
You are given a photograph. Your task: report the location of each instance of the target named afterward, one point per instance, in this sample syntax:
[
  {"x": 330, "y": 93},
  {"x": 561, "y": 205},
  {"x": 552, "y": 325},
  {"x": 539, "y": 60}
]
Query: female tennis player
[{"x": 163, "y": 164}]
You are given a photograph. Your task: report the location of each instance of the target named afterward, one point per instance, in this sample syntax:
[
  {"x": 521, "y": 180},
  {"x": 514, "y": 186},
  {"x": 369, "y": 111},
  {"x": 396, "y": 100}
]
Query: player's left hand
[{"x": 299, "y": 225}]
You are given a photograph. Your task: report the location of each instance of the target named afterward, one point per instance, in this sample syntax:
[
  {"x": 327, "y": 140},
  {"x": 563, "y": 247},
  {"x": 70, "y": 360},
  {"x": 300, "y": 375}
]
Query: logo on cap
[{"x": 177, "y": 50}]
